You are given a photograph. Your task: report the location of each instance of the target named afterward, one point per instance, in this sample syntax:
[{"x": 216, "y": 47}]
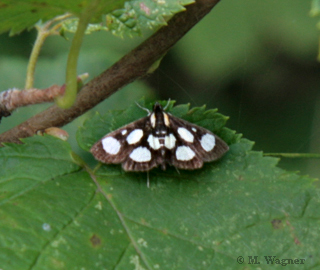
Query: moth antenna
[
  {"x": 145, "y": 109},
  {"x": 167, "y": 104}
]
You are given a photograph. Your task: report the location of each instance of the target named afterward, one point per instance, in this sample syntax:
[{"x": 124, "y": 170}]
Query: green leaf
[
  {"x": 17, "y": 16},
  {"x": 137, "y": 16},
  {"x": 54, "y": 216},
  {"x": 124, "y": 18},
  {"x": 71, "y": 25}
]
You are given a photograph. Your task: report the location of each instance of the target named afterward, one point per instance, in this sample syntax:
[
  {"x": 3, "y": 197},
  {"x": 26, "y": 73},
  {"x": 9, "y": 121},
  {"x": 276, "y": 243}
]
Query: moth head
[
  {"x": 157, "y": 107},
  {"x": 159, "y": 119}
]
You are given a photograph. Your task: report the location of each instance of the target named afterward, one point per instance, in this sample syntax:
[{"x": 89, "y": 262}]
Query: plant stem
[
  {"x": 41, "y": 36},
  {"x": 71, "y": 73},
  {"x": 43, "y": 33}
]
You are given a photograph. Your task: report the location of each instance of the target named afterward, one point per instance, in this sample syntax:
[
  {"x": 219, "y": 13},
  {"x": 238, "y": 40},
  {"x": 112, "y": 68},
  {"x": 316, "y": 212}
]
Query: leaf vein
[
  {"x": 121, "y": 218},
  {"x": 61, "y": 230}
]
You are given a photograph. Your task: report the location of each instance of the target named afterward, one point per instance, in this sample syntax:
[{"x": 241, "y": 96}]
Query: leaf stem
[
  {"x": 71, "y": 73},
  {"x": 41, "y": 36},
  {"x": 293, "y": 155},
  {"x": 43, "y": 32}
]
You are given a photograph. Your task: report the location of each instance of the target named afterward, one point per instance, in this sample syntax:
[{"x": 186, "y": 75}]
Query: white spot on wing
[
  {"x": 124, "y": 132},
  {"x": 135, "y": 136},
  {"x": 154, "y": 142},
  {"x": 140, "y": 154},
  {"x": 184, "y": 153},
  {"x": 170, "y": 141},
  {"x": 111, "y": 145},
  {"x": 194, "y": 129},
  {"x": 185, "y": 134},
  {"x": 208, "y": 141}
]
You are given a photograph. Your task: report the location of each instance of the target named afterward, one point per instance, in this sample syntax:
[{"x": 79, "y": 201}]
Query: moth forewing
[
  {"x": 206, "y": 145},
  {"x": 116, "y": 146}
]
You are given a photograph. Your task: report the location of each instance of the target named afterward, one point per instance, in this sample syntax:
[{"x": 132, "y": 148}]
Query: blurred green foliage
[{"x": 254, "y": 60}]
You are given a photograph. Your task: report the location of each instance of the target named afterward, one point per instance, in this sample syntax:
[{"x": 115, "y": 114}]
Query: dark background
[{"x": 253, "y": 60}]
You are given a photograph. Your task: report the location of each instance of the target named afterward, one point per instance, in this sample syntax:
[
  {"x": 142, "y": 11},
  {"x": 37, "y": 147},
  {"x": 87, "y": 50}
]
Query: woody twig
[{"x": 14, "y": 98}]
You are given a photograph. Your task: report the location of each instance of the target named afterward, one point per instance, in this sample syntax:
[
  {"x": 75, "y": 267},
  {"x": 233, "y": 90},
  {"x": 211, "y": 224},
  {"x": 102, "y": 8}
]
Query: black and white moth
[{"x": 159, "y": 139}]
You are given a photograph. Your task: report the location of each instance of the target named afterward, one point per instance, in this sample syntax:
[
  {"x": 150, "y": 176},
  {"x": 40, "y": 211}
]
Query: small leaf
[
  {"x": 137, "y": 16},
  {"x": 17, "y": 16},
  {"x": 71, "y": 25},
  {"x": 130, "y": 20}
]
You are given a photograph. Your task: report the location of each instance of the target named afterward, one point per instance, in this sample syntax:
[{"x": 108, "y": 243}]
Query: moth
[{"x": 159, "y": 139}]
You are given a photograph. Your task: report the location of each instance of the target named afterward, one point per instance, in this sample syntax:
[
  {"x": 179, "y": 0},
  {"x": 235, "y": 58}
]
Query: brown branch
[
  {"x": 132, "y": 66},
  {"x": 14, "y": 98}
]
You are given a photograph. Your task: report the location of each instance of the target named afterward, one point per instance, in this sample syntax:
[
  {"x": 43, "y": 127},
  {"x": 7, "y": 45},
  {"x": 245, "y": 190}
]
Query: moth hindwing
[{"x": 157, "y": 140}]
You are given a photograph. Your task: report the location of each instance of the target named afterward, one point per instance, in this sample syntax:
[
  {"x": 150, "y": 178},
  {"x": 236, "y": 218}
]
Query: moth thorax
[{"x": 159, "y": 122}]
